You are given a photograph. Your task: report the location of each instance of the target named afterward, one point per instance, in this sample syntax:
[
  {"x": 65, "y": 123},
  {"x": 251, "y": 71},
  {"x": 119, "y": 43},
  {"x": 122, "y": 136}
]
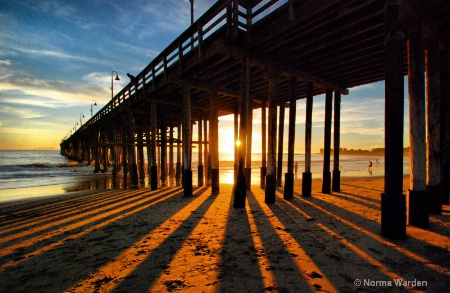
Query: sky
[{"x": 56, "y": 60}]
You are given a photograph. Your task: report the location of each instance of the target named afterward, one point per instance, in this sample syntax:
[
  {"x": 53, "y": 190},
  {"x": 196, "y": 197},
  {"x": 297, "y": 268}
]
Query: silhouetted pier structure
[{"x": 240, "y": 55}]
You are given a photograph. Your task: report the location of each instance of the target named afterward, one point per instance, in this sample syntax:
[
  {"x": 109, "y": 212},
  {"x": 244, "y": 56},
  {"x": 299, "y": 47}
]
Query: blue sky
[{"x": 56, "y": 57}]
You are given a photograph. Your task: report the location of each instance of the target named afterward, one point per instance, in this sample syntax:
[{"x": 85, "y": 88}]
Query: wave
[{"x": 41, "y": 165}]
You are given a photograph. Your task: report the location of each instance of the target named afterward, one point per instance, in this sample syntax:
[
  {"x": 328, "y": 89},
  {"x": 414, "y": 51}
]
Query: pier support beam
[
  {"x": 433, "y": 127},
  {"x": 104, "y": 140},
  {"x": 445, "y": 116},
  {"x": 393, "y": 202},
  {"x": 124, "y": 157},
  {"x": 97, "y": 153},
  {"x": 171, "y": 169},
  {"x": 163, "y": 151},
  {"x": 289, "y": 176},
  {"x": 248, "y": 145},
  {"x": 132, "y": 153},
  {"x": 280, "y": 146},
  {"x": 214, "y": 142},
  {"x": 417, "y": 199},
  {"x": 236, "y": 144},
  {"x": 336, "y": 185},
  {"x": 178, "y": 165},
  {"x": 154, "y": 167},
  {"x": 114, "y": 154},
  {"x": 240, "y": 188},
  {"x": 187, "y": 141},
  {"x": 140, "y": 153},
  {"x": 148, "y": 143},
  {"x": 264, "y": 146},
  {"x": 326, "y": 179},
  {"x": 200, "y": 154},
  {"x": 272, "y": 142},
  {"x": 206, "y": 163},
  {"x": 307, "y": 176}
]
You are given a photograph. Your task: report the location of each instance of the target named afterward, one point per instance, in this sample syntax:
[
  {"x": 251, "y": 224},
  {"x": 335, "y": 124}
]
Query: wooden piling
[
  {"x": 240, "y": 188},
  {"x": 148, "y": 143},
  {"x": 417, "y": 197},
  {"x": 289, "y": 176},
  {"x": 433, "y": 127},
  {"x": 248, "y": 145},
  {"x": 124, "y": 156},
  {"x": 97, "y": 153},
  {"x": 178, "y": 164},
  {"x": 163, "y": 151},
  {"x": 326, "y": 178},
  {"x": 445, "y": 116},
  {"x": 140, "y": 153},
  {"x": 307, "y": 176},
  {"x": 114, "y": 154},
  {"x": 236, "y": 143},
  {"x": 336, "y": 184},
  {"x": 154, "y": 167},
  {"x": 187, "y": 141},
  {"x": 104, "y": 152},
  {"x": 263, "y": 146},
  {"x": 171, "y": 169},
  {"x": 271, "y": 143},
  {"x": 280, "y": 146},
  {"x": 206, "y": 164},
  {"x": 214, "y": 142},
  {"x": 393, "y": 202},
  {"x": 132, "y": 152},
  {"x": 200, "y": 153}
]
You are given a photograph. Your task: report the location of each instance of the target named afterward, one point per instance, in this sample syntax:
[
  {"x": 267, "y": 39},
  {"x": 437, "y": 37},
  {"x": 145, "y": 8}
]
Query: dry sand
[{"x": 141, "y": 241}]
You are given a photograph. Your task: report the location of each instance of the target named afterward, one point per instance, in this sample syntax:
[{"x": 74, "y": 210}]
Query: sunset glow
[{"x": 48, "y": 76}]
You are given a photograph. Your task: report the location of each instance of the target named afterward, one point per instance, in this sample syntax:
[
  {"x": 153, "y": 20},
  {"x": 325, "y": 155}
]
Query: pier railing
[{"x": 225, "y": 14}]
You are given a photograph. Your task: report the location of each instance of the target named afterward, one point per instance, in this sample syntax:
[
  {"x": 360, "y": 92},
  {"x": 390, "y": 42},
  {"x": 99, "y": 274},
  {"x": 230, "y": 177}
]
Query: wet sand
[{"x": 158, "y": 241}]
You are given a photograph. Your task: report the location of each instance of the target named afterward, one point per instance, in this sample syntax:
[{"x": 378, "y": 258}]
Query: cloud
[
  {"x": 56, "y": 8},
  {"x": 18, "y": 97},
  {"x": 5, "y": 62},
  {"x": 78, "y": 95},
  {"x": 146, "y": 52},
  {"x": 20, "y": 113},
  {"x": 60, "y": 55}
]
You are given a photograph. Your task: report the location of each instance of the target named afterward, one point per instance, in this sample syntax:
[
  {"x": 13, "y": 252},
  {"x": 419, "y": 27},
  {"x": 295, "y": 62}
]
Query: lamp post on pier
[
  {"x": 93, "y": 103},
  {"x": 192, "y": 11},
  {"x": 192, "y": 22},
  {"x": 81, "y": 115},
  {"x": 76, "y": 123},
  {"x": 112, "y": 82}
]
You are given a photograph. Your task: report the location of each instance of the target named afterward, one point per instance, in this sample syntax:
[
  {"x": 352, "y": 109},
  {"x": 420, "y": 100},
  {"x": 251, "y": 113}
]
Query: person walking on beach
[
  {"x": 370, "y": 167},
  {"x": 295, "y": 169}
]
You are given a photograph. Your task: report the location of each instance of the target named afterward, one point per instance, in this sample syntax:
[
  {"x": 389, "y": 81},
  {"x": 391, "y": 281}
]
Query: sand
[{"x": 144, "y": 241}]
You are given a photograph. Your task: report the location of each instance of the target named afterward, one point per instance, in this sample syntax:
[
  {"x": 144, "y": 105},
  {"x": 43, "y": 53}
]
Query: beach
[{"x": 137, "y": 240}]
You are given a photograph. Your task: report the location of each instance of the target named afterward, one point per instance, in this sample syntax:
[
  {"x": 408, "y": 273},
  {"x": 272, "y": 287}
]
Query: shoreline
[
  {"x": 141, "y": 240},
  {"x": 104, "y": 182}
]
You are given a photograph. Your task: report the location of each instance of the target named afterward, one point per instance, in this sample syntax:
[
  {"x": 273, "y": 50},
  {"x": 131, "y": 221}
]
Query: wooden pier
[{"x": 243, "y": 55}]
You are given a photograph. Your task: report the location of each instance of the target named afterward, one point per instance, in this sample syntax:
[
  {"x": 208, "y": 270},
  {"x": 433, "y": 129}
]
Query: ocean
[{"x": 28, "y": 174}]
